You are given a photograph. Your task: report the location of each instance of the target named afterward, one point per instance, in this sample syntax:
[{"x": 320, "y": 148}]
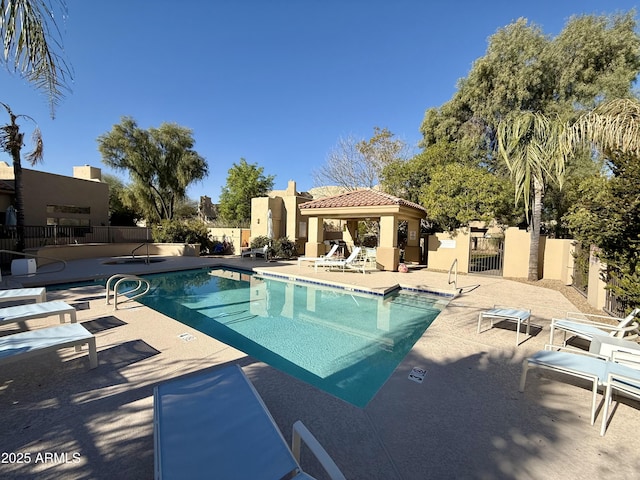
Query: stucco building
[{"x": 51, "y": 199}]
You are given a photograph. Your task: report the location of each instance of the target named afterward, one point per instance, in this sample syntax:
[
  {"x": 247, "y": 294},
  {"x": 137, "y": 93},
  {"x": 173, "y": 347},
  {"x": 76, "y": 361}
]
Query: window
[
  {"x": 68, "y": 209},
  {"x": 69, "y": 222}
]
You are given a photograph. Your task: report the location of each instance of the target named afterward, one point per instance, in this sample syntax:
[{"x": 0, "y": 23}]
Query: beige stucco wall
[
  {"x": 596, "y": 293},
  {"x": 444, "y": 248},
  {"x": 259, "y": 209},
  {"x": 558, "y": 260},
  {"x": 285, "y": 214},
  {"x": 233, "y": 235},
  {"x": 51, "y": 253},
  {"x": 41, "y": 189},
  {"x": 516, "y": 253}
]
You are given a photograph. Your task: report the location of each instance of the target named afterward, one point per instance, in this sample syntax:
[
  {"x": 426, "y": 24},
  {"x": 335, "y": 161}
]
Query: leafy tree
[
  {"x": 593, "y": 59},
  {"x": 31, "y": 45},
  {"x": 11, "y": 141},
  {"x": 525, "y": 77},
  {"x": 354, "y": 163},
  {"x": 161, "y": 163},
  {"x": 458, "y": 194},
  {"x": 122, "y": 211},
  {"x": 607, "y": 213},
  {"x": 407, "y": 178},
  {"x": 244, "y": 182}
]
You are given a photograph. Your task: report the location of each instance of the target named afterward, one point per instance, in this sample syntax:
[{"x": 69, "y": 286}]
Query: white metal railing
[
  {"x": 31, "y": 255},
  {"x": 133, "y": 252},
  {"x": 454, "y": 269},
  {"x": 119, "y": 278}
]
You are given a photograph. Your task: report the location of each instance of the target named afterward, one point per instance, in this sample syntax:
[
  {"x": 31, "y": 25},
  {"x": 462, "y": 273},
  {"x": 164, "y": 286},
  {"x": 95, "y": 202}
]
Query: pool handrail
[
  {"x": 118, "y": 278},
  {"x": 31, "y": 255},
  {"x": 133, "y": 252},
  {"x": 454, "y": 269}
]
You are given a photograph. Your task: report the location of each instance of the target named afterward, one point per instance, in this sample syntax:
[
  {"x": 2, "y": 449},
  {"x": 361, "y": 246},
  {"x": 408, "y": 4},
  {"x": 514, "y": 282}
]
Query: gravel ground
[{"x": 575, "y": 297}]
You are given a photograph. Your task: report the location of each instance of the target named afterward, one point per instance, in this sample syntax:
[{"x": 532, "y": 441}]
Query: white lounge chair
[
  {"x": 330, "y": 254},
  {"x": 585, "y": 325},
  {"x": 21, "y": 313},
  {"x": 35, "y": 342},
  {"x": 583, "y": 365},
  {"x": 254, "y": 252},
  {"x": 352, "y": 261},
  {"x": 38, "y": 294},
  {"x": 620, "y": 384},
  {"x": 215, "y": 425}
]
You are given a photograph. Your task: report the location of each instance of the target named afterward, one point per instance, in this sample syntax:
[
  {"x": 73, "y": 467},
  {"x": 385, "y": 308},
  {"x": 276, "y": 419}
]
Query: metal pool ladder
[{"x": 142, "y": 288}]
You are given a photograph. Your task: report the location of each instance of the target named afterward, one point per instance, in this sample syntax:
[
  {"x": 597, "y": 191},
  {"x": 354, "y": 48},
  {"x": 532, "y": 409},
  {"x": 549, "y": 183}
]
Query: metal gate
[{"x": 486, "y": 255}]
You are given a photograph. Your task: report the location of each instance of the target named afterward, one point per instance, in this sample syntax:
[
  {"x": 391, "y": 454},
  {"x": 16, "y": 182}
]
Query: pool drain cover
[{"x": 417, "y": 375}]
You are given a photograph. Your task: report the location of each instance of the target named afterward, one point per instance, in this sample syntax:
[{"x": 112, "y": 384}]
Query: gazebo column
[
  {"x": 412, "y": 249},
  {"x": 351, "y": 233},
  {"x": 314, "y": 247},
  {"x": 388, "y": 254}
]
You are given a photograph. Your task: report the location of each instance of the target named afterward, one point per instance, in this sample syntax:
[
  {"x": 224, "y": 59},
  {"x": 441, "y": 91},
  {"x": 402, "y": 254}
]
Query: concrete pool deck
[{"x": 465, "y": 420}]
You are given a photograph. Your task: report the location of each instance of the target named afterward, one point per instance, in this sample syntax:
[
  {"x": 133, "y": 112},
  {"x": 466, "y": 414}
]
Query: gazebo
[{"x": 372, "y": 205}]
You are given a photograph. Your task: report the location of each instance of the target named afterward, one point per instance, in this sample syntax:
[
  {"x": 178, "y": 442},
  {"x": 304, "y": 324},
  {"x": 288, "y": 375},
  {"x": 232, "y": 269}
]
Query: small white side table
[{"x": 511, "y": 314}]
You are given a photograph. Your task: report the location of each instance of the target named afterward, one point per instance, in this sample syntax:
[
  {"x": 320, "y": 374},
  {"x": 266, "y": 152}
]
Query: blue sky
[{"x": 276, "y": 82}]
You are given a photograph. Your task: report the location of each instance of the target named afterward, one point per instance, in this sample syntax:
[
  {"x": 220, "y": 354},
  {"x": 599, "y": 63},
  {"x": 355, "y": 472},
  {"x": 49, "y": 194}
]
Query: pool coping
[{"x": 350, "y": 288}]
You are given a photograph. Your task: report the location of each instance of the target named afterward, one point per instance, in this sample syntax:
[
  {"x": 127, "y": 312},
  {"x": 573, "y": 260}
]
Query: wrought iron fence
[
  {"x": 486, "y": 255},
  {"x": 614, "y": 304},
  {"x": 40, "y": 236}
]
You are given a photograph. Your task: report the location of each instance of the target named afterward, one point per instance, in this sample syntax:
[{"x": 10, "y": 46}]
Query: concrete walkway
[{"x": 465, "y": 420}]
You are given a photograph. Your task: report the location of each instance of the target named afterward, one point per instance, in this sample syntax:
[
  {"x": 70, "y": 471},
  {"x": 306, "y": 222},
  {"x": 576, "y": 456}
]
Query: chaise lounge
[
  {"x": 19, "y": 346},
  {"x": 37, "y": 294},
  {"x": 215, "y": 425},
  {"x": 330, "y": 255},
  {"x": 21, "y": 313},
  {"x": 351, "y": 261},
  {"x": 577, "y": 364},
  {"x": 585, "y": 326},
  {"x": 254, "y": 252}
]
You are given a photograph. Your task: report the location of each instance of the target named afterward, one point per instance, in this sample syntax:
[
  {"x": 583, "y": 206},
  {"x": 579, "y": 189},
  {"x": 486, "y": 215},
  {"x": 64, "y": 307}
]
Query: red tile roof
[{"x": 360, "y": 198}]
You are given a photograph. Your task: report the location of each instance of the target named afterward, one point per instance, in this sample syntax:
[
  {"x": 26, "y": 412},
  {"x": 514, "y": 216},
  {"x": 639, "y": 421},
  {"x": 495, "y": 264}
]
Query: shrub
[
  {"x": 279, "y": 248},
  {"x": 178, "y": 231},
  {"x": 284, "y": 248},
  {"x": 259, "y": 242}
]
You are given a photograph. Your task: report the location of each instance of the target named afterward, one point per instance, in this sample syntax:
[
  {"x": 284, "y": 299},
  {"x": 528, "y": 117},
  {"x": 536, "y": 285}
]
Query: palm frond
[
  {"x": 30, "y": 41},
  {"x": 534, "y": 149},
  {"x": 613, "y": 126}
]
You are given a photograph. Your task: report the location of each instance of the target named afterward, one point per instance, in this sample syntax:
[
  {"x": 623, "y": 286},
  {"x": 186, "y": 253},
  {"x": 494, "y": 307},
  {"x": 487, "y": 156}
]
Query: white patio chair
[
  {"x": 585, "y": 325},
  {"x": 330, "y": 254},
  {"x": 254, "y": 252},
  {"x": 352, "y": 261}
]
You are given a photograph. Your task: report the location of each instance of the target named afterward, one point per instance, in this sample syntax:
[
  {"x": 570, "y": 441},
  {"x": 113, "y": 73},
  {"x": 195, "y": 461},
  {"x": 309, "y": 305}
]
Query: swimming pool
[{"x": 345, "y": 343}]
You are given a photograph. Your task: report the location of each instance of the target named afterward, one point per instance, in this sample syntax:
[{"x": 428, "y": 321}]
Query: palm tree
[
  {"x": 534, "y": 148},
  {"x": 30, "y": 41},
  {"x": 11, "y": 141}
]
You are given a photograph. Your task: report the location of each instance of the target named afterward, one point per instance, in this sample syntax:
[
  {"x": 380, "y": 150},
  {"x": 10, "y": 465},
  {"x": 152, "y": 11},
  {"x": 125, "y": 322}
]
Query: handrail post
[{"x": 454, "y": 268}]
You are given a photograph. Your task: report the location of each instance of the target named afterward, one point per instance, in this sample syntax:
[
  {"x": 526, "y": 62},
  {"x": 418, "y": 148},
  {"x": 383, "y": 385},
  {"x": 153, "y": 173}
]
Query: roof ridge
[{"x": 363, "y": 197}]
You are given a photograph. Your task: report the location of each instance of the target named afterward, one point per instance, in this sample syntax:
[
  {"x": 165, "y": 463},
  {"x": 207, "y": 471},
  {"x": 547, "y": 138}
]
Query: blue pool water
[{"x": 345, "y": 343}]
